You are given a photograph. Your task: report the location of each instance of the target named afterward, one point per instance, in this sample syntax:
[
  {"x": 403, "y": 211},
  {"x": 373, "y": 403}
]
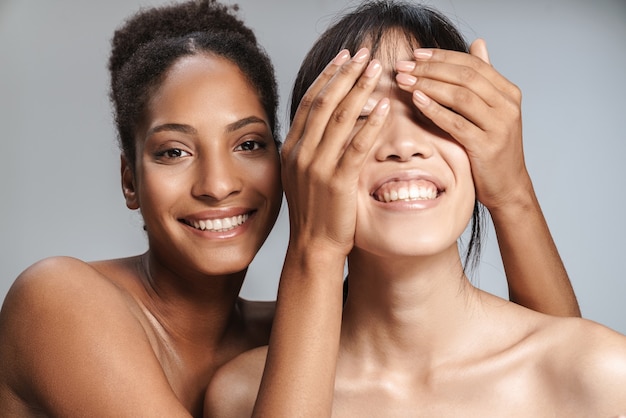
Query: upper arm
[
  {"x": 233, "y": 389},
  {"x": 71, "y": 346}
]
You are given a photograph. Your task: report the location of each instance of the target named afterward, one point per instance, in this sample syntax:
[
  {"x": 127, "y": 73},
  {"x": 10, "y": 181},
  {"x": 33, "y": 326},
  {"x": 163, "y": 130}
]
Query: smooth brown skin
[
  {"x": 415, "y": 337},
  {"x": 142, "y": 336}
]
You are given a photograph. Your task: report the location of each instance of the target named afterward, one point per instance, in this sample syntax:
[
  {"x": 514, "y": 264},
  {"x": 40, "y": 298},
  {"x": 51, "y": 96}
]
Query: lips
[{"x": 406, "y": 190}]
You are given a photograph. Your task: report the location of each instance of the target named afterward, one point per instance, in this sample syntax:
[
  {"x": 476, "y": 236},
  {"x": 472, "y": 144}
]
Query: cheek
[
  {"x": 266, "y": 177},
  {"x": 158, "y": 190}
]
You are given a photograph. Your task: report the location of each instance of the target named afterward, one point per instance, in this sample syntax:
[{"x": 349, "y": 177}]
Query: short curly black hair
[{"x": 150, "y": 41}]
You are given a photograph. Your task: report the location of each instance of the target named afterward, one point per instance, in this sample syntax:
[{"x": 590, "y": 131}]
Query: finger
[
  {"x": 437, "y": 74},
  {"x": 304, "y": 107},
  {"x": 462, "y": 100},
  {"x": 359, "y": 147},
  {"x": 324, "y": 104},
  {"x": 425, "y": 57},
  {"x": 346, "y": 114},
  {"x": 478, "y": 48},
  {"x": 458, "y": 127}
]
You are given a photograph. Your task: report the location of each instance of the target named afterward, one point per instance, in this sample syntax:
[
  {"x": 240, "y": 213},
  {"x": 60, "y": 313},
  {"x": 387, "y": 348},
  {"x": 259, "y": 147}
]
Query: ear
[{"x": 128, "y": 184}]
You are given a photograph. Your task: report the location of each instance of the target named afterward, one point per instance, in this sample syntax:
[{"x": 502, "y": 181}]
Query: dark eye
[
  {"x": 249, "y": 146},
  {"x": 172, "y": 153}
]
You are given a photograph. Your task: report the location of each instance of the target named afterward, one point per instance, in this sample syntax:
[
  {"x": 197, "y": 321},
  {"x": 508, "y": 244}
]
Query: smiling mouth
[
  {"x": 218, "y": 225},
  {"x": 406, "y": 191}
]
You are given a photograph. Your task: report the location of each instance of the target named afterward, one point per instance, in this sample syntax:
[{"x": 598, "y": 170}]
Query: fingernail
[
  {"x": 372, "y": 69},
  {"x": 421, "y": 98},
  {"x": 405, "y": 65},
  {"x": 361, "y": 55},
  {"x": 406, "y": 79},
  {"x": 341, "y": 57},
  {"x": 383, "y": 106},
  {"x": 423, "y": 53}
]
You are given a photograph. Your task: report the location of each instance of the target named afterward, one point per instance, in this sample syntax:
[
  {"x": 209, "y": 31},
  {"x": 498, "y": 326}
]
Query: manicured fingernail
[
  {"x": 405, "y": 79},
  {"x": 361, "y": 55},
  {"x": 405, "y": 65},
  {"x": 383, "y": 106},
  {"x": 341, "y": 57},
  {"x": 421, "y": 98},
  {"x": 423, "y": 53},
  {"x": 372, "y": 69}
]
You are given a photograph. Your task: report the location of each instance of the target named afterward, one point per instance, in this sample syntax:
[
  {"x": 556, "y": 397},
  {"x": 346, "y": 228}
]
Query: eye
[
  {"x": 250, "y": 145},
  {"x": 172, "y": 154}
]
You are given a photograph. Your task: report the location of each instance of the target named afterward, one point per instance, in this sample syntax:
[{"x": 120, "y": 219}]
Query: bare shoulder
[
  {"x": 67, "y": 328},
  {"x": 590, "y": 361},
  {"x": 234, "y": 387},
  {"x": 55, "y": 285}
]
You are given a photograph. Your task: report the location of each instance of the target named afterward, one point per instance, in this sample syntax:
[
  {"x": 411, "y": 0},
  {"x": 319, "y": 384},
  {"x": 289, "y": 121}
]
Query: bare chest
[{"x": 518, "y": 392}]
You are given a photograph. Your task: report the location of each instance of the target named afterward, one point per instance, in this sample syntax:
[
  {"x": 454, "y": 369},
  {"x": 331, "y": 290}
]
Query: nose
[
  {"x": 216, "y": 178},
  {"x": 403, "y": 138}
]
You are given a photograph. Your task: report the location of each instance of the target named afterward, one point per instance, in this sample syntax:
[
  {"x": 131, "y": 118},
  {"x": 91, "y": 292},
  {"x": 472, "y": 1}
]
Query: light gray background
[{"x": 59, "y": 165}]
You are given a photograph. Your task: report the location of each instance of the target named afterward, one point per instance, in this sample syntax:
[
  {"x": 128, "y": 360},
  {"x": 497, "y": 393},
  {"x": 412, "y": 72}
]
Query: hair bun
[{"x": 173, "y": 21}]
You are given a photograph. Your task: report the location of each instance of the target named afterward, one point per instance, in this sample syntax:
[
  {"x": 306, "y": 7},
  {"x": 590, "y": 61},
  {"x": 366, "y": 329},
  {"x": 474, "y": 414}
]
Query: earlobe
[{"x": 128, "y": 184}]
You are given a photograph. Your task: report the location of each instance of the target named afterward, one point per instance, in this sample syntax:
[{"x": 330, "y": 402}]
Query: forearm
[
  {"x": 535, "y": 272},
  {"x": 300, "y": 368}
]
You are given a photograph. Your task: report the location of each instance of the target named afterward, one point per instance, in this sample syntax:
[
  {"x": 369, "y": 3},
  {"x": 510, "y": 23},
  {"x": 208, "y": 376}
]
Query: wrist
[{"x": 518, "y": 201}]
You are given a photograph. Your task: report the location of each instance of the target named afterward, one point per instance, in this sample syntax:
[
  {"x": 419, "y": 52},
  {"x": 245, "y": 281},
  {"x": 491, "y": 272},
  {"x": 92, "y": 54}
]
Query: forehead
[{"x": 201, "y": 88}]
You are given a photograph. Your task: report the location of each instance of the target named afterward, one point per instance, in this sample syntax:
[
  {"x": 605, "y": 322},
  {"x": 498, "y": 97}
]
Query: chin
[{"x": 404, "y": 242}]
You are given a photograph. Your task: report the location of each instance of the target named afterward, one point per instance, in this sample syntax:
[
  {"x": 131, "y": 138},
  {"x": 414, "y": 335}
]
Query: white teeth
[
  {"x": 220, "y": 225},
  {"x": 412, "y": 192}
]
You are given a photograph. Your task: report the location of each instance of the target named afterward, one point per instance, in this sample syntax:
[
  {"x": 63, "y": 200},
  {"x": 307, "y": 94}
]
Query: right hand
[{"x": 322, "y": 157}]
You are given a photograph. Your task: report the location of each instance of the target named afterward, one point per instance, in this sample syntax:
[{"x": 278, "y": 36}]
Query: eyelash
[
  {"x": 168, "y": 153},
  {"x": 177, "y": 153},
  {"x": 256, "y": 146}
]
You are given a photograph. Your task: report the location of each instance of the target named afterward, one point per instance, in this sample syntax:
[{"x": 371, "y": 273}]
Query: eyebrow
[
  {"x": 176, "y": 127},
  {"x": 244, "y": 122},
  {"x": 187, "y": 129}
]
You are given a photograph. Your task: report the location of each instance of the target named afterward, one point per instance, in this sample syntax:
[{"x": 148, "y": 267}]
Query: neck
[
  {"x": 190, "y": 306},
  {"x": 406, "y": 308}
]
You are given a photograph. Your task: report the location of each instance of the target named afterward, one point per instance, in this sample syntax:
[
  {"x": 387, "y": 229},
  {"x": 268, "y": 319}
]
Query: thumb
[{"x": 478, "y": 48}]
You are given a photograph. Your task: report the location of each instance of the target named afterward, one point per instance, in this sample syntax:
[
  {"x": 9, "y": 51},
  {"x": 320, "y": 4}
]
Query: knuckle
[
  {"x": 346, "y": 70},
  {"x": 424, "y": 68},
  {"x": 459, "y": 123},
  {"x": 359, "y": 145},
  {"x": 363, "y": 83},
  {"x": 341, "y": 115},
  {"x": 467, "y": 75},
  {"x": 319, "y": 102},
  {"x": 315, "y": 171},
  {"x": 463, "y": 97},
  {"x": 375, "y": 121},
  {"x": 307, "y": 101},
  {"x": 516, "y": 93}
]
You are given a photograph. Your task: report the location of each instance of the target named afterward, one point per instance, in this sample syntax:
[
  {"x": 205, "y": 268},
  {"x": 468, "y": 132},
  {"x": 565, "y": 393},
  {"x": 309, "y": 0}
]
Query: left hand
[{"x": 466, "y": 97}]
